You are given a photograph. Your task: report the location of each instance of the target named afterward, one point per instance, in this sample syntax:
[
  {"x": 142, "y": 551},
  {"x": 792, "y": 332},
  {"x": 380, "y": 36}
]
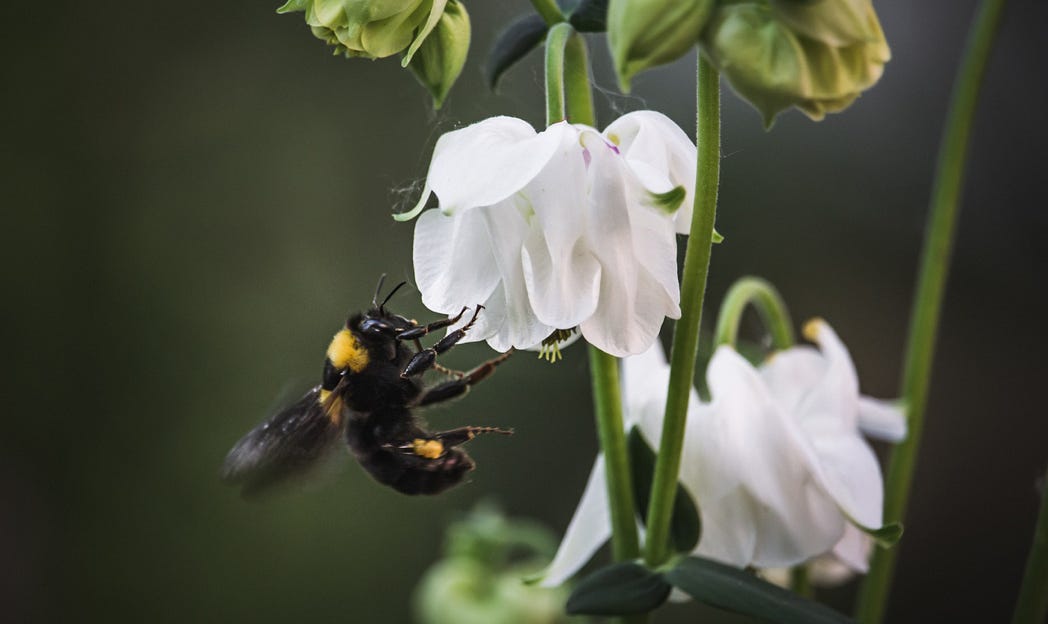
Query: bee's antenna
[
  {"x": 390, "y": 295},
  {"x": 378, "y": 289}
]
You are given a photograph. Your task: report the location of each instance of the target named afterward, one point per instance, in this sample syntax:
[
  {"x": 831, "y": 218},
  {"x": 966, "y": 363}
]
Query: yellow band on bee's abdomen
[{"x": 345, "y": 351}]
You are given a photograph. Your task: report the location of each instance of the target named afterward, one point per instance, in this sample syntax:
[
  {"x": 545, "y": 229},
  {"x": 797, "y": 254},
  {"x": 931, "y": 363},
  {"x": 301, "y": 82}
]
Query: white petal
[
  {"x": 832, "y": 404},
  {"x": 632, "y": 303},
  {"x": 654, "y": 145},
  {"x": 645, "y": 378},
  {"x": 520, "y": 328},
  {"x": 489, "y": 161},
  {"x": 590, "y": 527},
  {"x": 753, "y": 470},
  {"x": 882, "y": 420},
  {"x": 849, "y": 472},
  {"x": 854, "y": 549},
  {"x": 454, "y": 265},
  {"x": 561, "y": 272},
  {"x": 790, "y": 374}
]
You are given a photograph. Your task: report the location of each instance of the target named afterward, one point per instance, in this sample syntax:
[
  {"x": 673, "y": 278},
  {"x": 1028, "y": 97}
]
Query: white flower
[
  {"x": 775, "y": 461},
  {"x": 563, "y": 228}
]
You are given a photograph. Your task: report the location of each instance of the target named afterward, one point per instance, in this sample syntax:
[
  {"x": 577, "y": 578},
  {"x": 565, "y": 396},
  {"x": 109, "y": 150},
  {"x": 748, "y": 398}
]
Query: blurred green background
[{"x": 195, "y": 194}]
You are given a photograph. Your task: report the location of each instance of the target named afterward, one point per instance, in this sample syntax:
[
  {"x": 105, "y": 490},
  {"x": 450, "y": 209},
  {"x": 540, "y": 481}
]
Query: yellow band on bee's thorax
[{"x": 345, "y": 351}]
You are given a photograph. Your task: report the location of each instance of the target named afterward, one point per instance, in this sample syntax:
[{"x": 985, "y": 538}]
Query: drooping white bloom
[
  {"x": 775, "y": 461},
  {"x": 558, "y": 229}
]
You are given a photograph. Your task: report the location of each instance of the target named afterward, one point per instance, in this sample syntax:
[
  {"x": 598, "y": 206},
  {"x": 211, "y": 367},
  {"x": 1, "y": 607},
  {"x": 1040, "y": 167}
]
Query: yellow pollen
[
  {"x": 430, "y": 449},
  {"x": 811, "y": 329},
  {"x": 345, "y": 351}
]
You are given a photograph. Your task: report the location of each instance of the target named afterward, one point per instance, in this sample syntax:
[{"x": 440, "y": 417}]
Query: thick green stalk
[
  {"x": 549, "y": 11},
  {"x": 924, "y": 321},
  {"x": 1032, "y": 605},
  {"x": 566, "y": 52},
  {"x": 769, "y": 304},
  {"x": 686, "y": 331}
]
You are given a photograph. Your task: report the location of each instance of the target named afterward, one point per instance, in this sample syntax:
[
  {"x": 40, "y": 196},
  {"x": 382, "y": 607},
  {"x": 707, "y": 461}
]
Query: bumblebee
[{"x": 371, "y": 387}]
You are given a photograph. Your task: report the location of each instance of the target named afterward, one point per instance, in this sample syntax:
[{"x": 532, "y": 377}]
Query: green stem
[
  {"x": 769, "y": 304},
  {"x": 800, "y": 582},
  {"x": 938, "y": 243},
  {"x": 1032, "y": 605},
  {"x": 686, "y": 331},
  {"x": 576, "y": 82},
  {"x": 556, "y": 40},
  {"x": 549, "y": 11},
  {"x": 607, "y": 397},
  {"x": 566, "y": 59}
]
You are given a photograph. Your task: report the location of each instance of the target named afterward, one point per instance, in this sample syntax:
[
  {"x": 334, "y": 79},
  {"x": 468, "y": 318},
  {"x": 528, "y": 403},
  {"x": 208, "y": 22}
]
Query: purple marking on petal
[
  {"x": 586, "y": 156},
  {"x": 614, "y": 148}
]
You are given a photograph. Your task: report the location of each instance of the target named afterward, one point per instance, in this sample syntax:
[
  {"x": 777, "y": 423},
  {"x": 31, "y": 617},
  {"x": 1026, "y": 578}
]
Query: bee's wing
[{"x": 287, "y": 444}]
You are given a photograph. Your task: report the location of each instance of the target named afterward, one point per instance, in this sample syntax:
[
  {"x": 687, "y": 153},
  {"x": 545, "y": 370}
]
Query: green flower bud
[
  {"x": 645, "y": 33},
  {"x": 440, "y": 58},
  {"x": 370, "y": 28},
  {"x": 480, "y": 578},
  {"x": 817, "y": 55}
]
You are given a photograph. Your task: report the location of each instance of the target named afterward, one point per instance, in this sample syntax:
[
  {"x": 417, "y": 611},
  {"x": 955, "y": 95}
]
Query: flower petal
[
  {"x": 790, "y": 374},
  {"x": 882, "y": 420},
  {"x": 752, "y": 471},
  {"x": 454, "y": 264},
  {"x": 833, "y": 403},
  {"x": 489, "y": 161},
  {"x": 849, "y": 472},
  {"x": 645, "y": 378},
  {"x": 854, "y": 550},
  {"x": 655, "y": 147},
  {"x": 561, "y": 272},
  {"x": 590, "y": 527}
]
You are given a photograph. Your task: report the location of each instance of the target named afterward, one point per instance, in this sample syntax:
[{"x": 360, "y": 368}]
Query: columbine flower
[
  {"x": 564, "y": 228},
  {"x": 775, "y": 461},
  {"x": 817, "y": 55}
]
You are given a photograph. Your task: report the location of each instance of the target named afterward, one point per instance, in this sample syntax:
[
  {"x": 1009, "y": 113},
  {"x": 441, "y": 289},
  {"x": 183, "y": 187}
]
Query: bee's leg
[
  {"x": 436, "y": 444},
  {"x": 425, "y": 358},
  {"x": 415, "y": 333},
  {"x": 458, "y": 387}
]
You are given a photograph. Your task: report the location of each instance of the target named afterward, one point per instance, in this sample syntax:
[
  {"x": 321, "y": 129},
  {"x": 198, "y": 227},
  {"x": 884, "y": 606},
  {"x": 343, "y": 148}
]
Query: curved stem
[
  {"x": 556, "y": 40},
  {"x": 924, "y": 320},
  {"x": 549, "y": 11},
  {"x": 1032, "y": 604},
  {"x": 686, "y": 331},
  {"x": 769, "y": 304}
]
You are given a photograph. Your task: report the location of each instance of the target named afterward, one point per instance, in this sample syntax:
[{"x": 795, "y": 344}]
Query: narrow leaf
[
  {"x": 515, "y": 41},
  {"x": 590, "y": 16},
  {"x": 619, "y": 589},
  {"x": 732, "y": 589},
  {"x": 685, "y": 526}
]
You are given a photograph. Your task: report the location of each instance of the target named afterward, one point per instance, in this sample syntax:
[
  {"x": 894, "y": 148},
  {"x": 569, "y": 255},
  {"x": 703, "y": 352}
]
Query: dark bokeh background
[{"x": 195, "y": 193}]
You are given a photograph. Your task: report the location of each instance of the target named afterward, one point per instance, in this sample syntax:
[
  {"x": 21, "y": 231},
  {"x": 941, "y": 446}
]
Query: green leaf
[
  {"x": 718, "y": 238},
  {"x": 512, "y": 44},
  {"x": 732, "y": 589},
  {"x": 685, "y": 526},
  {"x": 590, "y": 16},
  {"x": 624, "y": 588}
]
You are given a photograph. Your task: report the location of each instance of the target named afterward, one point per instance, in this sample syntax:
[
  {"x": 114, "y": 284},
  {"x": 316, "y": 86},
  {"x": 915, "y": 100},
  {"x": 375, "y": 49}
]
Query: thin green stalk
[
  {"x": 567, "y": 72},
  {"x": 607, "y": 397},
  {"x": 686, "y": 331},
  {"x": 924, "y": 322},
  {"x": 576, "y": 82},
  {"x": 800, "y": 581},
  {"x": 1032, "y": 605},
  {"x": 549, "y": 11},
  {"x": 769, "y": 304},
  {"x": 556, "y": 39}
]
